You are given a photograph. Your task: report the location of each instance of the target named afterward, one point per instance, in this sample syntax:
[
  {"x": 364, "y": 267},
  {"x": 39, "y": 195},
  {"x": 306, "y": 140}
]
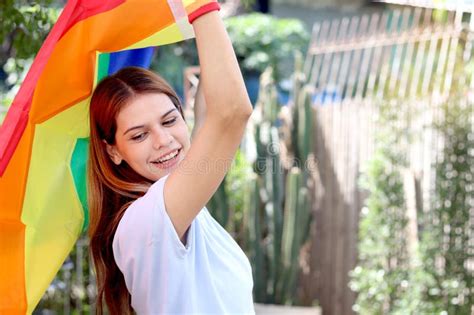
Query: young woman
[{"x": 155, "y": 247}]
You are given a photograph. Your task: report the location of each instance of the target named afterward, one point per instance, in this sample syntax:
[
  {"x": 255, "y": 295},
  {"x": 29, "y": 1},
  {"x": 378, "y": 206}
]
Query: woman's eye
[
  {"x": 139, "y": 137},
  {"x": 169, "y": 122}
]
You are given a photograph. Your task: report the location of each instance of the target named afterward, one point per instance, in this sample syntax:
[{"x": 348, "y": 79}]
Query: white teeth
[{"x": 168, "y": 157}]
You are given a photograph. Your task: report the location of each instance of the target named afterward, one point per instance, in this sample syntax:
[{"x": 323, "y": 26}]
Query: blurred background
[{"x": 353, "y": 190}]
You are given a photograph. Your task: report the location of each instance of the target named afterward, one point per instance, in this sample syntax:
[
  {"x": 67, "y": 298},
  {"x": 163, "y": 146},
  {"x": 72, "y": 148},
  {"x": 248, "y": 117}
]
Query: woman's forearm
[{"x": 221, "y": 79}]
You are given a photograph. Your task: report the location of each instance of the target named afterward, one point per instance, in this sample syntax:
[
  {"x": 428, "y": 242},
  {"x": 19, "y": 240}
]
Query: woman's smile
[{"x": 168, "y": 160}]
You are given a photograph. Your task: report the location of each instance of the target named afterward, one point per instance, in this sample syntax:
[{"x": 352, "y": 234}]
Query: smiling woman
[
  {"x": 150, "y": 139},
  {"x": 127, "y": 124},
  {"x": 152, "y": 239}
]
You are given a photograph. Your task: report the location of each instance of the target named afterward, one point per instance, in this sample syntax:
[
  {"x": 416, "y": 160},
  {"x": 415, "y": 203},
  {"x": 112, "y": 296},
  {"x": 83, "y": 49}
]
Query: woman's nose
[{"x": 161, "y": 138}]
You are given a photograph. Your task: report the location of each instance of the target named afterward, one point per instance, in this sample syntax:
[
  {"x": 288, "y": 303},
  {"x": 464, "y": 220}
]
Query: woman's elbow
[
  {"x": 242, "y": 111},
  {"x": 234, "y": 105},
  {"x": 235, "y": 113},
  {"x": 246, "y": 109},
  {"x": 241, "y": 105}
]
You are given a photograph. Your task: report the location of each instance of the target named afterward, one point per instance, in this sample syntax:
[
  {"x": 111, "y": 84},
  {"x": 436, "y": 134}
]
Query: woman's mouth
[{"x": 168, "y": 160}]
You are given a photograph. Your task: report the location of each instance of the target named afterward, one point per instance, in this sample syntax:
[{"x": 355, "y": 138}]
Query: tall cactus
[
  {"x": 285, "y": 198},
  {"x": 268, "y": 167},
  {"x": 305, "y": 125},
  {"x": 276, "y": 206},
  {"x": 302, "y": 134},
  {"x": 277, "y": 202},
  {"x": 219, "y": 205},
  {"x": 289, "y": 245},
  {"x": 268, "y": 99},
  {"x": 297, "y": 216},
  {"x": 253, "y": 223}
]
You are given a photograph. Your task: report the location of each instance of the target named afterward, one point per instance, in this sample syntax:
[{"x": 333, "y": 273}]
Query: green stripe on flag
[
  {"x": 103, "y": 69},
  {"x": 79, "y": 173}
]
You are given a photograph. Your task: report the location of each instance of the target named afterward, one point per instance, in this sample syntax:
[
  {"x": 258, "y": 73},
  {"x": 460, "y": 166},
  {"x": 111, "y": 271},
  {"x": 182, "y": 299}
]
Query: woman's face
[{"x": 151, "y": 136}]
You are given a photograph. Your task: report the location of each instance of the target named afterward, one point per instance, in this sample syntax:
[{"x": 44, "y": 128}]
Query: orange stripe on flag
[
  {"x": 12, "y": 240},
  {"x": 12, "y": 231},
  {"x": 68, "y": 76}
]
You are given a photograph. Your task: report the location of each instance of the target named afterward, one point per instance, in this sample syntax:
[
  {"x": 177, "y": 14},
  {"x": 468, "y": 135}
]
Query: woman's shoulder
[
  {"x": 152, "y": 198},
  {"x": 140, "y": 213}
]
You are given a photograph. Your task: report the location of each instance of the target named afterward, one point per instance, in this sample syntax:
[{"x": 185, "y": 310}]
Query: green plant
[
  {"x": 227, "y": 204},
  {"x": 171, "y": 60},
  {"x": 277, "y": 211},
  {"x": 247, "y": 4},
  {"x": 270, "y": 199},
  {"x": 382, "y": 276},
  {"x": 4, "y": 104},
  {"x": 261, "y": 40},
  {"x": 24, "y": 26},
  {"x": 434, "y": 278},
  {"x": 448, "y": 231}
]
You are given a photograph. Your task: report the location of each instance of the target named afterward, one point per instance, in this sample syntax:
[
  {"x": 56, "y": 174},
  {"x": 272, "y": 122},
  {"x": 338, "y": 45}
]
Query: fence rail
[{"x": 400, "y": 53}]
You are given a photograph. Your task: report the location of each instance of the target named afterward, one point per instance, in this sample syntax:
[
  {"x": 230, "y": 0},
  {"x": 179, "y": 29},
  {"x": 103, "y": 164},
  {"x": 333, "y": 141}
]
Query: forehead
[{"x": 143, "y": 109}]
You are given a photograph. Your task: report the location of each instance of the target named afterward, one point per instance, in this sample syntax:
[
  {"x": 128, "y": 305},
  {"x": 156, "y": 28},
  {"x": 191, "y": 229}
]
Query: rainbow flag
[{"x": 44, "y": 138}]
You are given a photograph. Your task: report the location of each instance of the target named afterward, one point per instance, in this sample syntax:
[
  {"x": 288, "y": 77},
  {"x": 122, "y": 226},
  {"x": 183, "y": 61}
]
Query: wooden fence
[{"x": 354, "y": 65}]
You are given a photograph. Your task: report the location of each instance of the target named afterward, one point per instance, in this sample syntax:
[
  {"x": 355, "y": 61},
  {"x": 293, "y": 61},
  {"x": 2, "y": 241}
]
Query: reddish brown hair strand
[{"x": 112, "y": 188}]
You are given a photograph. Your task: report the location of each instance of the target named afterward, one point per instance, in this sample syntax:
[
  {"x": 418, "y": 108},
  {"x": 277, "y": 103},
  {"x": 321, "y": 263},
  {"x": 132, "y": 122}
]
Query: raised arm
[{"x": 228, "y": 109}]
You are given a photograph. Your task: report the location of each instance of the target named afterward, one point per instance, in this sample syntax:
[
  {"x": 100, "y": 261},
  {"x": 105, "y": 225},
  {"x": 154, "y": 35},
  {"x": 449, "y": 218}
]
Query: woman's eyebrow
[
  {"x": 168, "y": 112},
  {"x": 133, "y": 128},
  {"x": 142, "y": 126}
]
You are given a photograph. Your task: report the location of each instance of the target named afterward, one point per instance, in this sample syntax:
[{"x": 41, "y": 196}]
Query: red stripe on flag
[
  {"x": 88, "y": 8},
  {"x": 15, "y": 121}
]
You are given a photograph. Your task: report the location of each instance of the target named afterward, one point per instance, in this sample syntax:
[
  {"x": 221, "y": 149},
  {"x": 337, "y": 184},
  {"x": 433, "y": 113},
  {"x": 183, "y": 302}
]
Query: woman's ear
[{"x": 113, "y": 153}]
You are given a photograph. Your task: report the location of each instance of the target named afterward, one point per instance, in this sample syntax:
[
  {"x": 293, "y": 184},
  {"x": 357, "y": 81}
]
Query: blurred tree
[
  {"x": 23, "y": 28},
  {"x": 382, "y": 275},
  {"x": 448, "y": 232}
]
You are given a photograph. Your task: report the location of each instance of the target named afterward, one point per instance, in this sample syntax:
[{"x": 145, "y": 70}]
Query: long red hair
[{"x": 112, "y": 188}]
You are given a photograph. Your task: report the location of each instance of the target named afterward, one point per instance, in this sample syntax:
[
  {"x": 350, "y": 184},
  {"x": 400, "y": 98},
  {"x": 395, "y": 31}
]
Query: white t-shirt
[{"x": 210, "y": 275}]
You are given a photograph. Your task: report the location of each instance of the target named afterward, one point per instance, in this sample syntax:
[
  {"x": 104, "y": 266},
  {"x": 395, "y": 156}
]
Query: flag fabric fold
[{"x": 44, "y": 137}]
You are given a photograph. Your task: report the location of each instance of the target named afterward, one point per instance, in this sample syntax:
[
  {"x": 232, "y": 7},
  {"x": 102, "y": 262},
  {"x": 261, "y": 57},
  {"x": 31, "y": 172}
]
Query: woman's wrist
[{"x": 199, "y": 8}]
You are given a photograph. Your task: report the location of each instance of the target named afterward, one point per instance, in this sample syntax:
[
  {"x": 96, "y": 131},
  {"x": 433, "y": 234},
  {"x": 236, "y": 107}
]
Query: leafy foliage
[
  {"x": 447, "y": 242},
  {"x": 261, "y": 40},
  {"x": 23, "y": 28},
  {"x": 227, "y": 204},
  {"x": 382, "y": 275},
  {"x": 171, "y": 60},
  {"x": 435, "y": 279}
]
